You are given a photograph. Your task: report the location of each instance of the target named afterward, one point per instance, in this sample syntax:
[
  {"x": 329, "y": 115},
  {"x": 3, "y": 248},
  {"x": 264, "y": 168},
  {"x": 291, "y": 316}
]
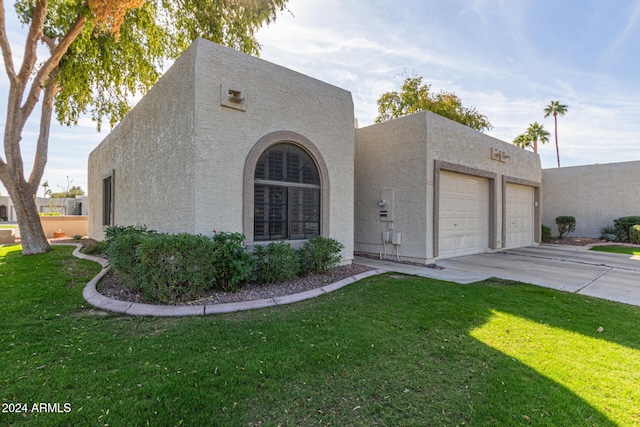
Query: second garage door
[
  {"x": 519, "y": 216},
  {"x": 463, "y": 215}
]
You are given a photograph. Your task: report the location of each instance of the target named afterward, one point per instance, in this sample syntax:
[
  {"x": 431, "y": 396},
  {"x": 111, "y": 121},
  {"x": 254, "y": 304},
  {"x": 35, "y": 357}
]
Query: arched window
[{"x": 287, "y": 192}]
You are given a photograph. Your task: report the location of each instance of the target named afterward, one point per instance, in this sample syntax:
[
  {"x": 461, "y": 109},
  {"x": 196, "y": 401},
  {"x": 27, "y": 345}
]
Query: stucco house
[
  {"x": 69, "y": 206},
  {"x": 226, "y": 141},
  {"x": 429, "y": 188},
  {"x": 229, "y": 142},
  {"x": 594, "y": 194}
]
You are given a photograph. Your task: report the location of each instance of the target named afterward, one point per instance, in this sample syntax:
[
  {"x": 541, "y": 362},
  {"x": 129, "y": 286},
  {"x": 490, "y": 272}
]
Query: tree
[
  {"x": 73, "y": 192},
  {"x": 523, "y": 140},
  {"x": 101, "y": 53},
  {"x": 536, "y": 132},
  {"x": 415, "y": 96},
  {"x": 555, "y": 108}
]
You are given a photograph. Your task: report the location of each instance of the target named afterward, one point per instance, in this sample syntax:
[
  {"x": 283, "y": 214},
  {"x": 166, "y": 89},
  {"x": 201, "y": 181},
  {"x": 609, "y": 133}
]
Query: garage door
[
  {"x": 464, "y": 215},
  {"x": 519, "y": 216}
]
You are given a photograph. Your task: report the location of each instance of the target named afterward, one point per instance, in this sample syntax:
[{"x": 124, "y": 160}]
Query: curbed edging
[{"x": 96, "y": 299}]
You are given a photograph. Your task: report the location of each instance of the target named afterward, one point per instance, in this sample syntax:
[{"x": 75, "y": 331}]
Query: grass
[
  {"x": 389, "y": 350},
  {"x": 626, "y": 250},
  {"x": 8, "y": 226}
]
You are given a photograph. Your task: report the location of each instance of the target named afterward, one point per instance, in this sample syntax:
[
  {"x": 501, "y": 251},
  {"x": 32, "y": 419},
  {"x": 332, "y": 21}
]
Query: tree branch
[
  {"x": 5, "y": 46},
  {"x": 54, "y": 60},
  {"x": 42, "y": 147},
  {"x": 31, "y": 45}
]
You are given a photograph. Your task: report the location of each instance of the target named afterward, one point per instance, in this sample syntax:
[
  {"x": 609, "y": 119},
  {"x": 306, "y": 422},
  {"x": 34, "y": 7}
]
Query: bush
[
  {"x": 319, "y": 255},
  {"x": 121, "y": 248},
  {"x": 634, "y": 234},
  {"x": 276, "y": 262},
  {"x": 608, "y": 233},
  {"x": 97, "y": 248},
  {"x": 175, "y": 267},
  {"x": 52, "y": 213},
  {"x": 234, "y": 265},
  {"x": 622, "y": 226},
  {"x": 566, "y": 224},
  {"x": 546, "y": 233}
]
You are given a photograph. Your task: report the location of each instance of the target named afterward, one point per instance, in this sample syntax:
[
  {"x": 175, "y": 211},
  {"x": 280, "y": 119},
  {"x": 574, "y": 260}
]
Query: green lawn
[
  {"x": 626, "y": 250},
  {"x": 390, "y": 350}
]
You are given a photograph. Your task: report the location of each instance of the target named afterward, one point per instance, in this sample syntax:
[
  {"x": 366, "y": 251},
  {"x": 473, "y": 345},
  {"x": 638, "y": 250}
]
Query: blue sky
[{"x": 506, "y": 58}]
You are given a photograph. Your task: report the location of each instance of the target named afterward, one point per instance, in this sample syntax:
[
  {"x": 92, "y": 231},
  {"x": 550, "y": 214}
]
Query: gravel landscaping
[{"x": 111, "y": 287}]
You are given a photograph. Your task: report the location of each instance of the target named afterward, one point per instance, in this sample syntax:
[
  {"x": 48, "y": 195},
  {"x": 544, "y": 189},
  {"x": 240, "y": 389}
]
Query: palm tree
[
  {"x": 523, "y": 140},
  {"x": 537, "y": 133},
  {"x": 556, "y": 108}
]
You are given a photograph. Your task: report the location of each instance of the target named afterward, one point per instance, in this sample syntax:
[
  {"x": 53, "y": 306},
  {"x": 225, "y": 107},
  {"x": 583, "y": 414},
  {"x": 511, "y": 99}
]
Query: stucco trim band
[
  {"x": 537, "y": 217},
  {"x": 256, "y": 151},
  {"x": 466, "y": 170}
]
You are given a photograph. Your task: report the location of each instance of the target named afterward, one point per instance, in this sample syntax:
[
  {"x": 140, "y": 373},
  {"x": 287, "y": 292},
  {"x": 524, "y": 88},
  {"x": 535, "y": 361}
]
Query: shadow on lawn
[{"x": 388, "y": 351}]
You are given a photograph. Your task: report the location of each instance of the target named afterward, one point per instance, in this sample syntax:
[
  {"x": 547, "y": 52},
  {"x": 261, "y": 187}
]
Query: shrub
[
  {"x": 52, "y": 213},
  {"x": 319, "y": 255},
  {"x": 622, "y": 226},
  {"x": 276, "y": 262},
  {"x": 97, "y": 248},
  {"x": 566, "y": 224},
  {"x": 121, "y": 248},
  {"x": 234, "y": 265},
  {"x": 608, "y": 233},
  {"x": 116, "y": 231},
  {"x": 634, "y": 234},
  {"x": 546, "y": 233},
  {"x": 175, "y": 267}
]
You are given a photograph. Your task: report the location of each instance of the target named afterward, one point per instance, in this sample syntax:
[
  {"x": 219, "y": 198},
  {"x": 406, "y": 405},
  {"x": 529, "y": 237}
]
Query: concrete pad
[
  {"x": 551, "y": 273},
  {"x": 616, "y": 285},
  {"x": 458, "y": 276}
]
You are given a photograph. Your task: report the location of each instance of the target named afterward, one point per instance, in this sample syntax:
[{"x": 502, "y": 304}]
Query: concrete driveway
[{"x": 568, "y": 268}]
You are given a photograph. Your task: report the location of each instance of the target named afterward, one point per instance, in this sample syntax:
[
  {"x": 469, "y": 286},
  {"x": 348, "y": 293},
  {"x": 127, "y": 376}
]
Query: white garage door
[
  {"x": 464, "y": 215},
  {"x": 519, "y": 216}
]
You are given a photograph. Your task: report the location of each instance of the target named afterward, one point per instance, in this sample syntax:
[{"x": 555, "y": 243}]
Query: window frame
[
  {"x": 295, "y": 221},
  {"x": 108, "y": 200},
  {"x": 251, "y": 162}
]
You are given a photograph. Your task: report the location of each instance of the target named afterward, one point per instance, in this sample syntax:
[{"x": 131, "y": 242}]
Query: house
[
  {"x": 229, "y": 142},
  {"x": 68, "y": 206},
  {"x": 430, "y": 188},
  {"x": 594, "y": 194}
]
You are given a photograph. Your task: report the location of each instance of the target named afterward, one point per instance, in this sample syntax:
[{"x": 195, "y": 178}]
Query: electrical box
[
  {"x": 396, "y": 238},
  {"x": 385, "y": 204},
  {"x": 386, "y": 236}
]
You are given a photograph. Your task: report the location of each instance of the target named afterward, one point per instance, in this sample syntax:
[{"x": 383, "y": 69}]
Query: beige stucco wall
[
  {"x": 392, "y": 156},
  {"x": 595, "y": 195},
  {"x": 72, "y": 225},
  {"x": 406, "y": 155},
  {"x": 179, "y": 156},
  {"x": 151, "y": 153},
  {"x": 277, "y": 99}
]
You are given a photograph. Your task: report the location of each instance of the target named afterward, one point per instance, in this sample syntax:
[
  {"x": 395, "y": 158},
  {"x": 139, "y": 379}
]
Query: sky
[{"x": 506, "y": 58}]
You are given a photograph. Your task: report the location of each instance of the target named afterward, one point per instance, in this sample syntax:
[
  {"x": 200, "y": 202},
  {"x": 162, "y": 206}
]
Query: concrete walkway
[{"x": 568, "y": 268}]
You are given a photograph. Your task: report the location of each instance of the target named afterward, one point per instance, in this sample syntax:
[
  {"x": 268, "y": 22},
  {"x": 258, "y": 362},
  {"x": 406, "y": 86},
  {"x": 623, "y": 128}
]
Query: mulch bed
[
  {"x": 576, "y": 241},
  {"x": 111, "y": 287}
]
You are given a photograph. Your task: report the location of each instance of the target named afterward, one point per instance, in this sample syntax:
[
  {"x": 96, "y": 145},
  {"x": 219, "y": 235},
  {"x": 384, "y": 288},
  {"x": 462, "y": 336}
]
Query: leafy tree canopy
[
  {"x": 123, "y": 45},
  {"x": 71, "y": 193},
  {"x": 101, "y": 54},
  {"x": 415, "y": 96}
]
